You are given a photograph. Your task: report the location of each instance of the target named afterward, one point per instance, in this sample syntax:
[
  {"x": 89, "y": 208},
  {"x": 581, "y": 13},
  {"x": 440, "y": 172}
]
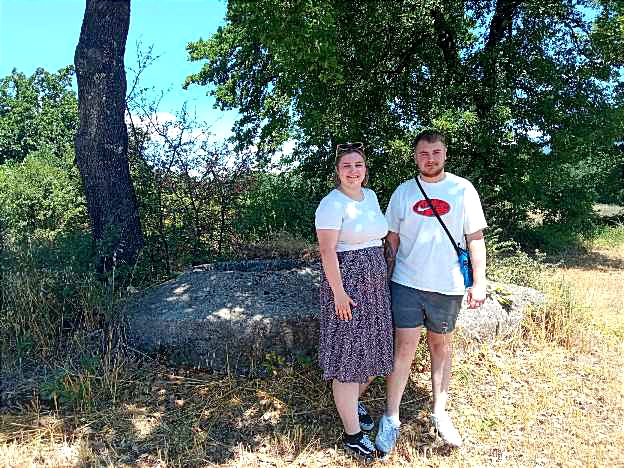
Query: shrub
[
  {"x": 41, "y": 198},
  {"x": 508, "y": 264}
]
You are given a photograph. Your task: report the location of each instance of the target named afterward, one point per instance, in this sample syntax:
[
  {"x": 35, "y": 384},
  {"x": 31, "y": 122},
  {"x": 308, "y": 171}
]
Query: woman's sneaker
[
  {"x": 366, "y": 422},
  {"x": 360, "y": 445},
  {"x": 446, "y": 430}
]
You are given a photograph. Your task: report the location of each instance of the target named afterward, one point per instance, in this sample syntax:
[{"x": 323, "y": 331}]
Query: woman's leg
[
  {"x": 364, "y": 386},
  {"x": 346, "y": 397}
]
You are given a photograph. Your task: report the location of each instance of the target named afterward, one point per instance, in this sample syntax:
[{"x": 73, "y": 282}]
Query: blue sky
[{"x": 44, "y": 33}]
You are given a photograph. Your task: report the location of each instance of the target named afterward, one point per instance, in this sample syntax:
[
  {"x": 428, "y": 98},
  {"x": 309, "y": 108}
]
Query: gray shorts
[{"x": 413, "y": 308}]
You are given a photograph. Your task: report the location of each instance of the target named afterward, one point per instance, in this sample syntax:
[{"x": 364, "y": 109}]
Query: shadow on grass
[
  {"x": 593, "y": 260},
  {"x": 187, "y": 417}
]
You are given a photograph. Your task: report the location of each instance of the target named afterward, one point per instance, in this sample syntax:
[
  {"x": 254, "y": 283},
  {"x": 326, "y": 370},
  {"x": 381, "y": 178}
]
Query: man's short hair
[{"x": 430, "y": 136}]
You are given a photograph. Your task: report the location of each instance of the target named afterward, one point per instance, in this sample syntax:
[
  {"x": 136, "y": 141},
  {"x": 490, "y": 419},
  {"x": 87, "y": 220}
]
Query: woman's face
[{"x": 351, "y": 170}]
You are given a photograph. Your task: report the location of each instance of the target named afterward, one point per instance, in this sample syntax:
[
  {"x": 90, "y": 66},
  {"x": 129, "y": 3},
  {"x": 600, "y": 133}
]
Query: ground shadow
[
  {"x": 594, "y": 260},
  {"x": 191, "y": 417}
]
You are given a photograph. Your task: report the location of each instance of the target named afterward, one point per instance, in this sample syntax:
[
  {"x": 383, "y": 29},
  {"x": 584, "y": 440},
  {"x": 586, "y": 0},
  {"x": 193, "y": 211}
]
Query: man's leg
[
  {"x": 440, "y": 349},
  {"x": 405, "y": 344}
]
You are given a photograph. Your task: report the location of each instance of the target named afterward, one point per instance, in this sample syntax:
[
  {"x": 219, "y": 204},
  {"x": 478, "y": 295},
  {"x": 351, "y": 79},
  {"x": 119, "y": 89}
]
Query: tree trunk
[
  {"x": 501, "y": 23},
  {"x": 102, "y": 138}
]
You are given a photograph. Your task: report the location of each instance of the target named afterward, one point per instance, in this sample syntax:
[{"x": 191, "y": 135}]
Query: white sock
[{"x": 393, "y": 419}]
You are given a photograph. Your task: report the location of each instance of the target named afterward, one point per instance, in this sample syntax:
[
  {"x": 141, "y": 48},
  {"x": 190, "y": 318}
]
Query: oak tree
[{"x": 102, "y": 137}]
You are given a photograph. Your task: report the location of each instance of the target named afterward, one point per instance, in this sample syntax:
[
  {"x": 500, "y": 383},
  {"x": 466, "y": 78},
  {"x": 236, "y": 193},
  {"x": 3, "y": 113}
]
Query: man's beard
[{"x": 433, "y": 172}]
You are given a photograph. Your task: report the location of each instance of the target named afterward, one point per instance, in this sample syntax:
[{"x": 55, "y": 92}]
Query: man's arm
[
  {"x": 391, "y": 246},
  {"x": 476, "y": 246}
]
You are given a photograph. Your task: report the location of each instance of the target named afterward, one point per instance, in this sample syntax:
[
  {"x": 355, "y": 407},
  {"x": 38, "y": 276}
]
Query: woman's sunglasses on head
[{"x": 342, "y": 148}]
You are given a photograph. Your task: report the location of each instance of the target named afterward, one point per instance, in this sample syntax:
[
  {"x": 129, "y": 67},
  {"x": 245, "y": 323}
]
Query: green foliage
[
  {"x": 276, "y": 203},
  {"x": 527, "y": 92},
  {"x": 39, "y": 112},
  {"x": 508, "y": 264},
  {"x": 605, "y": 236},
  {"x": 43, "y": 301},
  {"x": 41, "y": 198}
]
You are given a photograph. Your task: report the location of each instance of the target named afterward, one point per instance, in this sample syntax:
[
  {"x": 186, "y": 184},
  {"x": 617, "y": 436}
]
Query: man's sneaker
[
  {"x": 360, "y": 445},
  {"x": 366, "y": 422},
  {"x": 387, "y": 435},
  {"x": 446, "y": 430}
]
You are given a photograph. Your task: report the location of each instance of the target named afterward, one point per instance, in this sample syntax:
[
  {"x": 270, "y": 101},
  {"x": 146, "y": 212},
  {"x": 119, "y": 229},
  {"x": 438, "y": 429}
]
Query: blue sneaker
[
  {"x": 366, "y": 422},
  {"x": 387, "y": 435}
]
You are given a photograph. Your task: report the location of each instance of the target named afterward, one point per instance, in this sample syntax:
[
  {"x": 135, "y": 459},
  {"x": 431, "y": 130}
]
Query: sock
[
  {"x": 393, "y": 419},
  {"x": 352, "y": 437}
]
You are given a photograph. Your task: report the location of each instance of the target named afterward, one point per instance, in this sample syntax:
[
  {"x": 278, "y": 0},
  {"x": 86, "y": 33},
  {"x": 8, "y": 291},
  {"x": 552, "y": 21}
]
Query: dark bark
[
  {"x": 102, "y": 138},
  {"x": 447, "y": 42},
  {"x": 501, "y": 24}
]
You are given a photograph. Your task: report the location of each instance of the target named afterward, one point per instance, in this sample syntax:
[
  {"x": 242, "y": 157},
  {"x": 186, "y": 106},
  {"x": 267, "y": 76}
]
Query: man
[{"x": 426, "y": 282}]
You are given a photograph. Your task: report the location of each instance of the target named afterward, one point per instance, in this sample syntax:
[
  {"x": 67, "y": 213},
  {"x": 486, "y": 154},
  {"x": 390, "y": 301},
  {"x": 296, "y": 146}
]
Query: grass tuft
[{"x": 550, "y": 397}]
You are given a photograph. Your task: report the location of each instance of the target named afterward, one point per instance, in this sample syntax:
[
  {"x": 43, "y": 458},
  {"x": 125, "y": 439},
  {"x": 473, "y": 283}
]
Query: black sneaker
[
  {"x": 360, "y": 446},
  {"x": 366, "y": 422}
]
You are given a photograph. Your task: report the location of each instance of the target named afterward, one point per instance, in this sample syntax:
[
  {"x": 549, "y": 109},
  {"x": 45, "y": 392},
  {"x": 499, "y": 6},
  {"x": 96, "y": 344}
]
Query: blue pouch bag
[{"x": 465, "y": 266}]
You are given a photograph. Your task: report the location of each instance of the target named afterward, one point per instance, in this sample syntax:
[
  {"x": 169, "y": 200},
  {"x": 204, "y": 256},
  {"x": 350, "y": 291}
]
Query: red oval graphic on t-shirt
[{"x": 422, "y": 207}]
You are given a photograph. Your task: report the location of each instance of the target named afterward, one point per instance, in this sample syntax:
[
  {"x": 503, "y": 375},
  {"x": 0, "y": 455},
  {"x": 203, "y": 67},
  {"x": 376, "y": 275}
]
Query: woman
[{"x": 356, "y": 324}]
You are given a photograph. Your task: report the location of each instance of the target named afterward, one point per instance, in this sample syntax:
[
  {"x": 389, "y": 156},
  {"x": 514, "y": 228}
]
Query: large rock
[{"x": 230, "y": 315}]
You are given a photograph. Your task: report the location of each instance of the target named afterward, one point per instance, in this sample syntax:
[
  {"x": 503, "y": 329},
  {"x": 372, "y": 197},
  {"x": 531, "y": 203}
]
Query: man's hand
[
  {"x": 343, "y": 305},
  {"x": 476, "y": 296}
]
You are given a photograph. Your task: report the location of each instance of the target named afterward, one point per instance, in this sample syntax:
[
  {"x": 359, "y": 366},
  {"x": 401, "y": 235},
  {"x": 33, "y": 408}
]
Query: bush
[
  {"x": 41, "y": 305},
  {"x": 41, "y": 198},
  {"x": 278, "y": 203},
  {"x": 508, "y": 264}
]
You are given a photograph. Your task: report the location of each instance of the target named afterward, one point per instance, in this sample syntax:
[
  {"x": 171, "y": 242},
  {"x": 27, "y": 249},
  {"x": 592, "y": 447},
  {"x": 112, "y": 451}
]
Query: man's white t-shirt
[
  {"x": 361, "y": 223},
  {"x": 426, "y": 260}
]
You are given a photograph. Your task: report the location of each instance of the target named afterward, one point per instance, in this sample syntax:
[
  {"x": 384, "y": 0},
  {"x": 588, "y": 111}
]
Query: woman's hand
[{"x": 343, "y": 305}]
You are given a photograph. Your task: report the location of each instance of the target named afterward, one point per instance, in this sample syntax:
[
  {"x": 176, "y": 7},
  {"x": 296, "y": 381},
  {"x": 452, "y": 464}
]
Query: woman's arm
[{"x": 327, "y": 246}]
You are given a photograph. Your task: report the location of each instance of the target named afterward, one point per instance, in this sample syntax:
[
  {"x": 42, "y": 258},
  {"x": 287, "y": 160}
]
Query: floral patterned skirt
[{"x": 354, "y": 350}]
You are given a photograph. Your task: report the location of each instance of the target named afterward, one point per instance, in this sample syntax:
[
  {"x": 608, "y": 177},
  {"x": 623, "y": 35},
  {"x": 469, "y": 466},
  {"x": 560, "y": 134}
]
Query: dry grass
[{"x": 550, "y": 397}]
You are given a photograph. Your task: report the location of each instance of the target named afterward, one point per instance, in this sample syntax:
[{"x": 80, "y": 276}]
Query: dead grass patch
[{"x": 550, "y": 397}]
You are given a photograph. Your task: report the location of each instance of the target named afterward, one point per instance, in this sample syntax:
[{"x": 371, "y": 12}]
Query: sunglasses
[{"x": 342, "y": 148}]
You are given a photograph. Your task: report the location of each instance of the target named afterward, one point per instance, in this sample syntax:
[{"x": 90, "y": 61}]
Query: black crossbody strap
[{"x": 455, "y": 246}]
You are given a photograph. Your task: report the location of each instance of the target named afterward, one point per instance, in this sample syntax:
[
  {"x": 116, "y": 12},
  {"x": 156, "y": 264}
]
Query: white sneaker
[
  {"x": 446, "y": 430},
  {"x": 387, "y": 434}
]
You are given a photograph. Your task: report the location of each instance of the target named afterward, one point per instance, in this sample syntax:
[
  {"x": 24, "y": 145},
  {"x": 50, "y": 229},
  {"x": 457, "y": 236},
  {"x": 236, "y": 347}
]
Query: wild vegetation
[
  {"x": 549, "y": 396},
  {"x": 530, "y": 96}
]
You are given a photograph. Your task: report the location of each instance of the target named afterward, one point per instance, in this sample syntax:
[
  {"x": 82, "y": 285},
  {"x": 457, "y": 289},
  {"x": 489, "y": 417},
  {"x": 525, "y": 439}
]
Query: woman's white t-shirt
[{"x": 361, "y": 223}]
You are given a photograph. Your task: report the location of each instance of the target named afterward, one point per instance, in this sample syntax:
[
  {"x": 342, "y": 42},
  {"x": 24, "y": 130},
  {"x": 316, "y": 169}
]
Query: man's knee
[
  {"x": 439, "y": 343},
  {"x": 406, "y": 342}
]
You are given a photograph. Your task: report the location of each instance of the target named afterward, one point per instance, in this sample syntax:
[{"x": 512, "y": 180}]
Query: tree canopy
[
  {"x": 39, "y": 112},
  {"x": 530, "y": 93}
]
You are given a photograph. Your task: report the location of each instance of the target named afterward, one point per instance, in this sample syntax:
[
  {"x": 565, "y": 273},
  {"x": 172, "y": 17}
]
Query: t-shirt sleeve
[
  {"x": 393, "y": 212},
  {"x": 329, "y": 214},
  {"x": 374, "y": 199},
  {"x": 474, "y": 219}
]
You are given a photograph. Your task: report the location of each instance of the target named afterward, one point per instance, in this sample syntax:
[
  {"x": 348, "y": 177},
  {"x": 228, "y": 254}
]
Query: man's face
[{"x": 430, "y": 158}]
